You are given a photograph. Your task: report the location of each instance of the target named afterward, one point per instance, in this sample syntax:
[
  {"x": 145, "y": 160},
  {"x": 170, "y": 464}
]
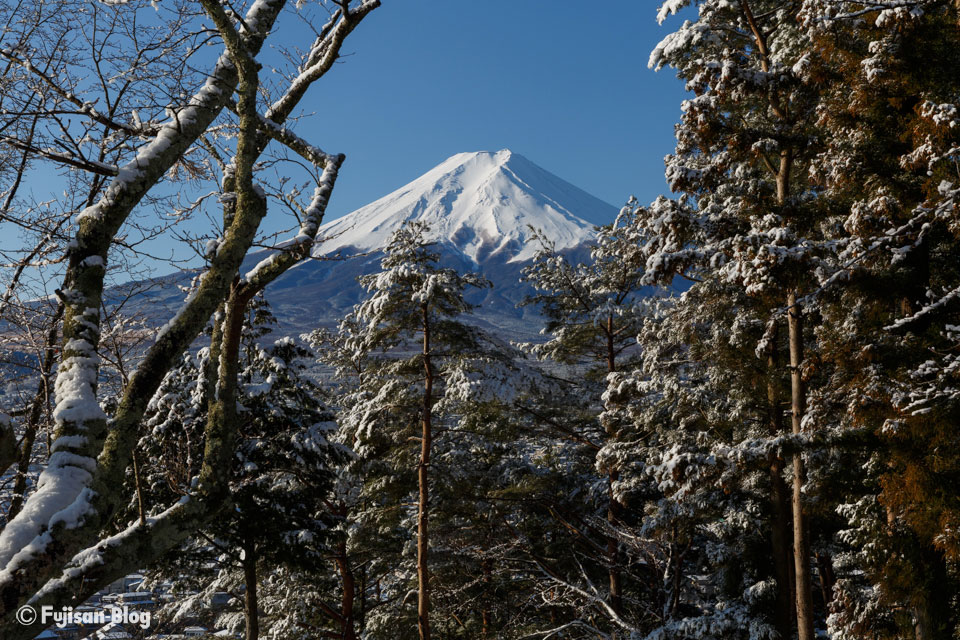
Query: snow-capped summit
[{"x": 482, "y": 204}]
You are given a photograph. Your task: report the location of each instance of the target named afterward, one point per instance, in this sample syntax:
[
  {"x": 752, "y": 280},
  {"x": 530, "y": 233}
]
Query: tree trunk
[
  {"x": 8, "y": 445},
  {"x": 801, "y": 546},
  {"x": 250, "y": 613},
  {"x": 782, "y": 549},
  {"x": 139, "y": 489},
  {"x": 485, "y": 611},
  {"x": 349, "y": 589},
  {"x": 613, "y": 507},
  {"x": 827, "y": 577},
  {"x": 423, "y": 530},
  {"x": 781, "y": 545},
  {"x": 932, "y": 609},
  {"x": 363, "y": 597},
  {"x": 613, "y": 516}
]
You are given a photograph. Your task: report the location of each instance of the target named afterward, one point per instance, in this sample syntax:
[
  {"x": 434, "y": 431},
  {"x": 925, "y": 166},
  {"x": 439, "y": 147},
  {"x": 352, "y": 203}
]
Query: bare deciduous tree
[{"x": 112, "y": 95}]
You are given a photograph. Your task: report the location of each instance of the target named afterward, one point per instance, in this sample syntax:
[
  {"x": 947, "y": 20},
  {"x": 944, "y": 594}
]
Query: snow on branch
[
  {"x": 93, "y": 166},
  {"x": 296, "y": 248},
  {"x": 76, "y": 494},
  {"x": 84, "y": 107},
  {"x": 309, "y": 152},
  {"x": 940, "y": 304},
  {"x": 848, "y": 9},
  {"x": 62, "y": 490},
  {"x": 320, "y": 59}
]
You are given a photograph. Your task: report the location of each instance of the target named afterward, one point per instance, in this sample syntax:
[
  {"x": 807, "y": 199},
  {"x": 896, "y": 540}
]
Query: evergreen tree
[
  {"x": 284, "y": 470},
  {"x": 592, "y": 321},
  {"x": 745, "y": 235},
  {"x": 888, "y": 169},
  {"x": 413, "y": 356},
  {"x": 480, "y": 582},
  {"x": 818, "y": 161}
]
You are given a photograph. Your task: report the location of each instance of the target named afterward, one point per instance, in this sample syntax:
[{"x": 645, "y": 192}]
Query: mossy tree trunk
[{"x": 81, "y": 438}]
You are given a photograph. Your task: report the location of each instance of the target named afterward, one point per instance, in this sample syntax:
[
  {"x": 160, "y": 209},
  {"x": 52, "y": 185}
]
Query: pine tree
[
  {"x": 820, "y": 157},
  {"x": 487, "y": 485},
  {"x": 591, "y": 320},
  {"x": 283, "y": 470},
  {"x": 748, "y": 239},
  {"x": 414, "y": 346}
]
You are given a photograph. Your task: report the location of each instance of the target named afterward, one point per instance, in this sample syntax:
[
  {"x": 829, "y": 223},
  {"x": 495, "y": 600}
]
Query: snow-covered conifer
[
  {"x": 888, "y": 174},
  {"x": 416, "y": 360},
  {"x": 282, "y": 477}
]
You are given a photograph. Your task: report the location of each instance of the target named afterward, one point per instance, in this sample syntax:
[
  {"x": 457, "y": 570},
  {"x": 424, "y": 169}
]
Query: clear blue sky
[{"x": 563, "y": 83}]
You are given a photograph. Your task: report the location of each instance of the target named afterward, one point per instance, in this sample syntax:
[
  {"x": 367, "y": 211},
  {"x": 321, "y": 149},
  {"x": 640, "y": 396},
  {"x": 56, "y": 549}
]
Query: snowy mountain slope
[
  {"x": 482, "y": 204},
  {"x": 480, "y": 207}
]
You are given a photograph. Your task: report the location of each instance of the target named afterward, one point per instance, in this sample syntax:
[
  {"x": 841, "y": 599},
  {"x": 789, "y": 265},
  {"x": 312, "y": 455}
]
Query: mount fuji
[
  {"x": 480, "y": 205},
  {"x": 481, "y": 209}
]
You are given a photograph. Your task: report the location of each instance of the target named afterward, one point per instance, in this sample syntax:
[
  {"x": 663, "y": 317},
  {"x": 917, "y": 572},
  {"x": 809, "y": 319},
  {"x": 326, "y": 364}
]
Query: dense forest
[{"x": 741, "y": 418}]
